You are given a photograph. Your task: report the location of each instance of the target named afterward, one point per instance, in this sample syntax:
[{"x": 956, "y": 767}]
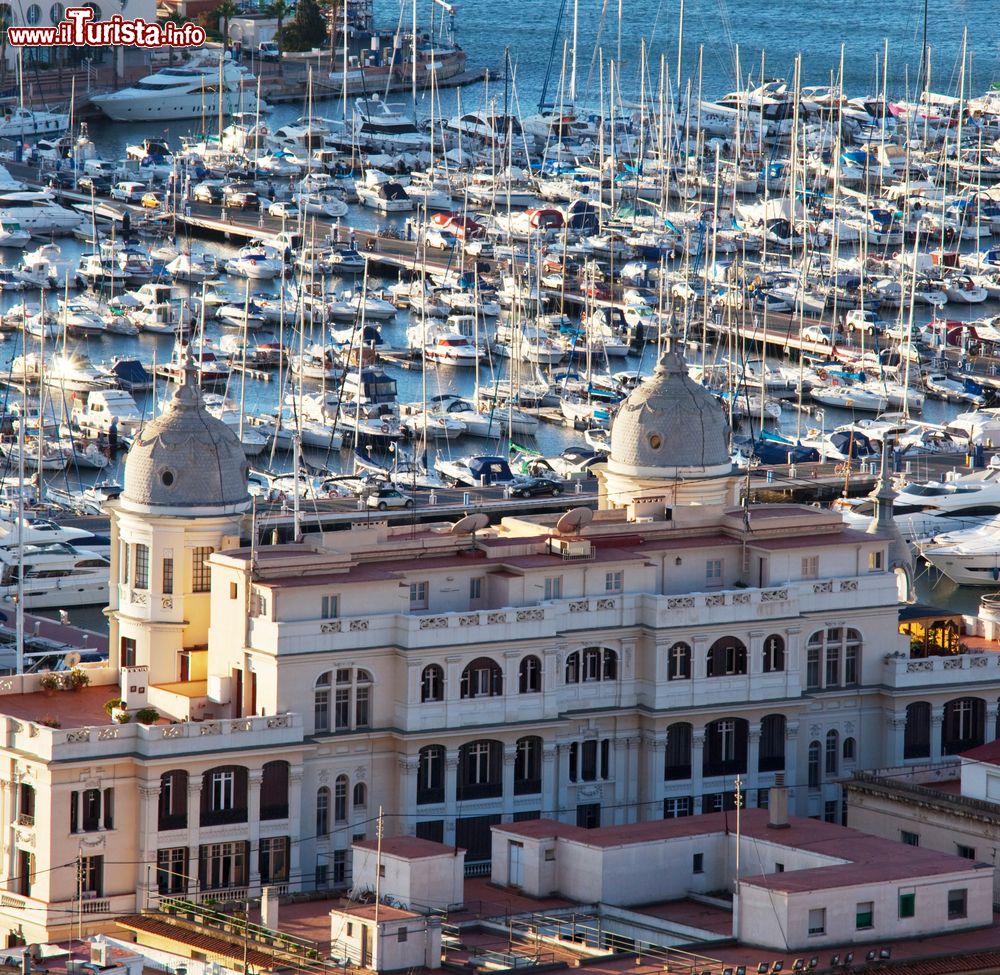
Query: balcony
[
  {"x": 901, "y": 671},
  {"x": 430, "y": 797},
  {"x": 527, "y": 787},
  {"x": 480, "y": 790},
  {"x": 274, "y": 811},
  {"x": 173, "y": 821},
  {"x": 223, "y": 817}
]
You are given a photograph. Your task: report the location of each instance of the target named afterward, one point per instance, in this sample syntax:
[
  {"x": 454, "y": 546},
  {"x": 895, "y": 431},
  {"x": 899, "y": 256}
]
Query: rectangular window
[
  {"x": 850, "y": 665},
  {"x": 864, "y": 915},
  {"x": 810, "y": 567},
  {"x": 875, "y": 561},
  {"x": 361, "y": 717},
  {"x": 339, "y": 866},
  {"x": 127, "y": 652},
  {"x": 330, "y": 609},
  {"x": 910, "y": 839},
  {"x": 812, "y": 667},
  {"x": 274, "y": 859},
  {"x": 171, "y": 870},
  {"x": 698, "y": 863},
  {"x": 957, "y": 904},
  {"x": 832, "y": 666},
  {"x": 342, "y": 709},
  {"x": 614, "y": 581},
  {"x": 817, "y": 921},
  {"x": 234, "y": 590},
  {"x": 401, "y": 934},
  {"x": 142, "y": 567},
  {"x": 201, "y": 575},
  {"x": 830, "y": 810},
  {"x": 126, "y": 548},
  {"x": 553, "y": 587},
  {"x": 713, "y": 573},
  {"x": 91, "y": 876},
  {"x": 223, "y": 791},
  {"x": 966, "y": 852},
  {"x": 168, "y": 576},
  {"x": 476, "y": 587},
  {"x": 676, "y": 808},
  {"x": 418, "y": 595},
  {"x": 907, "y": 904}
]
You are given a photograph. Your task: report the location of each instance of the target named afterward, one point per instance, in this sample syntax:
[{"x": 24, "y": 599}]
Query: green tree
[
  {"x": 224, "y": 12},
  {"x": 178, "y": 21},
  {"x": 307, "y": 30},
  {"x": 279, "y": 10}
]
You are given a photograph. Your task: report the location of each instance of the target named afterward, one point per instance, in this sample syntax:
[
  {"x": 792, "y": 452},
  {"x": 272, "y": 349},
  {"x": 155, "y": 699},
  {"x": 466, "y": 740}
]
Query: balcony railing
[
  {"x": 480, "y": 790},
  {"x": 223, "y": 817},
  {"x": 275, "y": 811},
  {"x": 430, "y": 797},
  {"x": 527, "y": 787},
  {"x": 26, "y": 819},
  {"x": 173, "y": 821}
]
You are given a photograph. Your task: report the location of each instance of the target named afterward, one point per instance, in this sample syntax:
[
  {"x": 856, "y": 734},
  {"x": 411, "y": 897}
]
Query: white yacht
[
  {"x": 104, "y": 410},
  {"x": 38, "y": 212},
  {"x": 54, "y": 575},
  {"x": 386, "y": 127},
  {"x": 970, "y": 556},
  {"x": 23, "y": 123},
  {"x": 183, "y": 91}
]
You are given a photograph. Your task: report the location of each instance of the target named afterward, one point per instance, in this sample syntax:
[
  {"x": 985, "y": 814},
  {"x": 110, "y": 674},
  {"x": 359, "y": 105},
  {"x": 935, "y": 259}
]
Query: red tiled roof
[
  {"x": 206, "y": 943},
  {"x": 367, "y": 912},
  {"x": 988, "y": 754}
]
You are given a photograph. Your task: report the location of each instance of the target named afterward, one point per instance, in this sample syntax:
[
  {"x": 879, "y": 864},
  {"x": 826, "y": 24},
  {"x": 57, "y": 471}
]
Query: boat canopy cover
[{"x": 131, "y": 372}]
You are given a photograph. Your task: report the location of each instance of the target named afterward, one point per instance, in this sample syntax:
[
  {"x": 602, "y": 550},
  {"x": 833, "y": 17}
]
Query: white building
[
  {"x": 803, "y": 885},
  {"x": 610, "y": 669}
]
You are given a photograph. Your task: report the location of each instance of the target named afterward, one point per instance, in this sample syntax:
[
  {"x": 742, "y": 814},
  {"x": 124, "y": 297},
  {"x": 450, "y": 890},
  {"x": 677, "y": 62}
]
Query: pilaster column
[
  {"x": 655, "y": 747},
  {"x": 697, "y": 755},
  {"x": 409, "y": 766},
  {"x": 149, "y": 810},
  {"x": 193, "y": 823},
  {"x": 896, "y": 735},
  {"x": 254, "y": 778},
  {"x": 507, "y": 801},
  {"x": 295, "y": 823},
  {"x": 414, "y": 668},
  {"x": 937, "y": 720},
  {"x": 699, "y": 661},
  {"x": 450, "y": 793},
  {"x": 792, "y": 762},
  {"x": 551, "y": 681},
  {"x": 551, "y": 788},
  {"x": 991, "y": 721},
  {"x": 511, "y": 686},
  {"x": 752, "y": 776}
]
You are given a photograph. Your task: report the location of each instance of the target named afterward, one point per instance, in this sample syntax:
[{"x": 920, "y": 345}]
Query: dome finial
[{"x": 188, "y": 392}]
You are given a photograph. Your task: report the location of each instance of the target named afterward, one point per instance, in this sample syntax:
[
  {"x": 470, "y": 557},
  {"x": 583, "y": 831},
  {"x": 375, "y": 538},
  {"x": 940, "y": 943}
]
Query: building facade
[{"x": 606, "y": 668}]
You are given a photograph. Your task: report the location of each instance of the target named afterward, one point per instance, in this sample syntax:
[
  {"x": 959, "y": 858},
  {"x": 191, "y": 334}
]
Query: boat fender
[
  {"x": 996, "y": 573},
  {"x": 253, "y": 262}
]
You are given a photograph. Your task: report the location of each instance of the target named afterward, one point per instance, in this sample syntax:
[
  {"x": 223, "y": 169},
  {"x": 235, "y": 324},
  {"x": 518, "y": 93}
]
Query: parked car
[
  {"x": 152, "y": 201},
  {"x": 820, "y": 334},
  {"x": 859, "y": 320},
  {"x": 208, "y": 193},
  {"x": 128, "y": 191},
  {"x": 387, "y": 497},
  {"x": 440, "y": 239},
  {"x": 240, "y": 197},
  {"x": 268, "y": 51},
  {"x": 529, "y": 488},
  {"x": 283, "y": 208},
  {"x": 97, "y": 184}
]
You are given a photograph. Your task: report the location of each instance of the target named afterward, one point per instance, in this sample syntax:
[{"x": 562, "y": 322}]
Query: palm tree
[
  {"x": 179, "y": 21},
  {"x": 225, "y": 11},
  {"x": 280, "y": 9}
]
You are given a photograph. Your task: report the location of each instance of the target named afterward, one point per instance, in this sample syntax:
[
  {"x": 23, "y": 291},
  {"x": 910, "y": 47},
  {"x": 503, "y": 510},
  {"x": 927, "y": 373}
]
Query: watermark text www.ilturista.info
[{"x": 78, "y": 28}]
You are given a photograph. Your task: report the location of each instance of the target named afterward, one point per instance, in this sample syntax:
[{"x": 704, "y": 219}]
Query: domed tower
[
  {"x": 185, "y": 495},
  {"x": 670, "y": 438}
]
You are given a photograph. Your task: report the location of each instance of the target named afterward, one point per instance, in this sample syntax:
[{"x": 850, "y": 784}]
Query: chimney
[
  {"x": 777, "y": 804},
  {"x": 269, "y": 908}
]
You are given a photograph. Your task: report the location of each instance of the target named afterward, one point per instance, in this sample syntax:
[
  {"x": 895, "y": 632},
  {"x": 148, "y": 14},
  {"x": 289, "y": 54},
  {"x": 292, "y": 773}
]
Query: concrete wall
[{"x": 425, "y": 882}]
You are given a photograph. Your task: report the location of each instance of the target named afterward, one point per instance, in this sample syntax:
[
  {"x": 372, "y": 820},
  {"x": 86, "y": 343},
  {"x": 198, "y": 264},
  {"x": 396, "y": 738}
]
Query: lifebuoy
[
  {"x": 253, "y": 262},
  {"x": 385, "y": 427},
  {"x": 823, "y": 374},
  {"x": 835, "y": 382}
]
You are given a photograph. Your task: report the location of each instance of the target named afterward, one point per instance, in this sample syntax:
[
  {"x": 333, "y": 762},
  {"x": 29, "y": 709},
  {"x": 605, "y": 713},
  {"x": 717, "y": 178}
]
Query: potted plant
[
  {"x": 73, "y": 680},
  {"x": 113, "y": 705},
  {"x": 49, "y": 683},
  {"x": 50, "y": 722},
  {"x": 147, "y": 715}
]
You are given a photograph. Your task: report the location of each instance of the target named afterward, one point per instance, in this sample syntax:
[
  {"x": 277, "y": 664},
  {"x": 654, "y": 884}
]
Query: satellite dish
[
  {"x": 574, "y": 520},
  {"x": 71, "y": 659},
  {"x": 470, "y": 524}
]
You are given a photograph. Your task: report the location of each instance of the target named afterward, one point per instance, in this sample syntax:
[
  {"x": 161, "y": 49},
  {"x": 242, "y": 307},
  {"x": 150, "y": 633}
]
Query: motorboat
[
  {"x": 184, "y": 91},
  {"x": 968, "y": 556},
  {"x": 257, "y": 261},
  {"x": 54, "y": 575},
  {"x": 38, "y": 212},
  {"x": 254, "y": 440},
  {"x": 103, "y": 412},
  {"x": 26, "y": 123}
]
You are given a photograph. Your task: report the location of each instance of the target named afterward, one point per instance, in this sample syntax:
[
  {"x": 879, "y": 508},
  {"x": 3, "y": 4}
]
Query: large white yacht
[
  {"x": 183, "y": 91},
  {"x": 56, "y": 574},
  {"x": 38, "y": 213}
]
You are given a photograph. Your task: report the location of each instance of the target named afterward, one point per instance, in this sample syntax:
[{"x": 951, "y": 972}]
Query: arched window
[
  {"x": 677, "y": 753},
  {"x": 432, "y": 683},
  {"x": 529, "y": 675},
  {"x": 726, "y": 657},
  {"x": 340, "y": 799},
  {"x": 833, "y": 658},
  {"x": 528, "y": 766},
  {"x": 224, "y": 795},
  {"x": 480, "y": 770},
  {"x": 591, "y": 664},
  {"x": 964, "y": 725},
  {"x": 917, "y": 732},
  {"x": 430, "y": 775},
  {"x": 814, "y": 768},
  {"x": 360, "y": 795},
  {"x": 274, "y": 791},
  {"x": 832, "y": 752},
  {"x": 771, "y": 757},
  {"x": 173, "y": 800},
  {"x": 323, "y": 810},
  {"x": 725, "y": 747},
  {"x": 321, "y": 702},
  {"x": 774, "y": 654},
  {"x": 482, "y": 678},
  {"x": 849, "y": 750},
  {"x": 679, "y": 665}
]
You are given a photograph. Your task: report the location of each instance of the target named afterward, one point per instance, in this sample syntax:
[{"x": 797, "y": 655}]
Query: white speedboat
[
  {"x": 184, "y": 91},
  {"x": 38, "y": 212},
  {"x": 55, "y": 575},
  {"x": 969, "y": 557},
  {"x": 256, "y": 261},
  {"x": 105, "y": 411},
  {"x": 25, "y": 123}
]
